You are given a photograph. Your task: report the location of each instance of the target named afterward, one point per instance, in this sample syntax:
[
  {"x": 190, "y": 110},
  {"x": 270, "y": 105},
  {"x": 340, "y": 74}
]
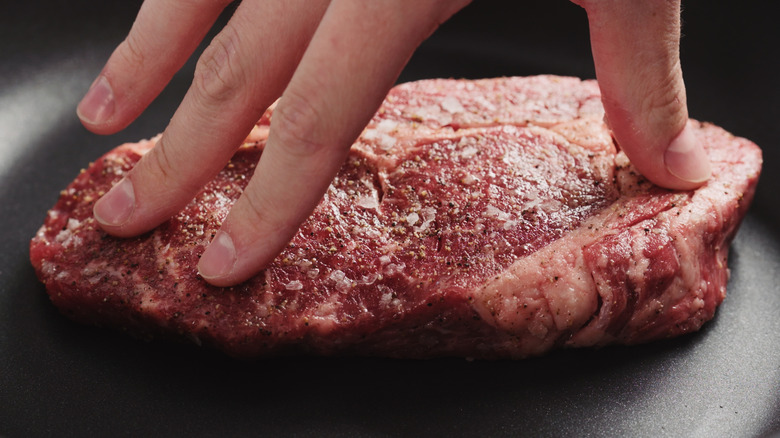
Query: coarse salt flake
[
  {"x": 428, "y": 214},
  {"x": 294, "y": 285},
  {"x": 452, "y": 105},
  {"x": 387, "y": 125},
  {"x": 337, "y": 275},
  {"x": 468, "y": 180},
  {"x": 384, "y": 141},
  {"x": 412, "y": 218},
  {"x": 368, "y": 202},
  {"x": 468, "y": 152},
  {"x": 492, "y": 211},
  {"x": 343, "y": 283}
]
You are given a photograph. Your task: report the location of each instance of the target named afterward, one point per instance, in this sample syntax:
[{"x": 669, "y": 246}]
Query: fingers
[
  {"x": 353, "y": 59},
  {"x": 636, "y": 52},
  {"x": 242, "y": 72},
  {"x": 161, "y": 40}
]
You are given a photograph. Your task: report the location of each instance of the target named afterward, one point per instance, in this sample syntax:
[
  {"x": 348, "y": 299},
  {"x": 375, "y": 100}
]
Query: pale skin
[{"x": 332, "y": 62}]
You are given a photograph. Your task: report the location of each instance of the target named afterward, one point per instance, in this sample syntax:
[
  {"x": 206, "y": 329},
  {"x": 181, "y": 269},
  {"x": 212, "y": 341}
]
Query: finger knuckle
[
  {"x": 131, "y": 51},
  {"x": 218, "y": 73},
  {"x": 164, "y": 166},
  {"x": 295, "y": 122},
  {"x": 262, "y": 213},
  {"x": 159, "y": 163},
  {"x": 666, "y": 101}
]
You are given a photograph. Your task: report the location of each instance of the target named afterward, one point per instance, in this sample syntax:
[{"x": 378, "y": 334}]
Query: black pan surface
[{"x": 58, "y": 378}]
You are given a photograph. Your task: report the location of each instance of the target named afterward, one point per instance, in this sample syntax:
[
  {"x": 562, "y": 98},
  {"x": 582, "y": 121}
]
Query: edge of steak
[{"x": 489, "y": 218}]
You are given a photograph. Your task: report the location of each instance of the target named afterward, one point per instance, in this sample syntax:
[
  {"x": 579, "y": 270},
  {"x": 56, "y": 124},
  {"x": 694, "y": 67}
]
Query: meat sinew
[{"x": 490, "y": 218}]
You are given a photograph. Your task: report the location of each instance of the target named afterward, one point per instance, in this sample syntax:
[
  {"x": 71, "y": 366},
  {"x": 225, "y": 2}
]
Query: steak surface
[{"x": 491, "y": 218}]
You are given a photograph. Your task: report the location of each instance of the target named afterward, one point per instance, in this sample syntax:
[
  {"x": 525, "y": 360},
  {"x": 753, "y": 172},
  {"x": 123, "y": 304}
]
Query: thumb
[{"x": 636, "y": 53}]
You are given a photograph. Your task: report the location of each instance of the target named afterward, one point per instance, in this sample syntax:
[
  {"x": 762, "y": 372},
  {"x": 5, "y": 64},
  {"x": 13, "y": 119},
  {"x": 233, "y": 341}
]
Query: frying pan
[{"x": 58, "y": 378}]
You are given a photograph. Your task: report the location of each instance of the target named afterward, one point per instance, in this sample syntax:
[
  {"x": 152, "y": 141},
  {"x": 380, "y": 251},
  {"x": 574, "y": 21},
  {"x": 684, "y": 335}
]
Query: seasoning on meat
[{"x": 490, "y": 218}]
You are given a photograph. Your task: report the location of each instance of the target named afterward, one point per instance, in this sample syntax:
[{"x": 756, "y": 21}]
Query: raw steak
[{"x": 490, "y": 218}]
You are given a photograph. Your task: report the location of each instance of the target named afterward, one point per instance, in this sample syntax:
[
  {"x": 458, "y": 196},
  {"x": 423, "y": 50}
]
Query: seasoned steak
[{"x": 491, "y": 218}]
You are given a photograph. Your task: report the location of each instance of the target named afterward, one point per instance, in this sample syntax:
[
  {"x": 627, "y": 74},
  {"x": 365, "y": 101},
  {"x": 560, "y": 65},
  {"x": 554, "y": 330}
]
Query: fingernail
[
  {"x": 116, "y": 206},
  {"x": 218, "y": 259},
  {"x": 97, "y": 106},
  {"x": 686, "y": 159}
]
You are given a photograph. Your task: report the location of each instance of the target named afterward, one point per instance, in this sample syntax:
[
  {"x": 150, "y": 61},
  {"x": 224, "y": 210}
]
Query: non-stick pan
[{"x": 58, "y": 378}]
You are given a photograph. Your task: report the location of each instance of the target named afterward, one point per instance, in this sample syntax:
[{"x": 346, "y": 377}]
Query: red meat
[{"x": 490, "y": 218}]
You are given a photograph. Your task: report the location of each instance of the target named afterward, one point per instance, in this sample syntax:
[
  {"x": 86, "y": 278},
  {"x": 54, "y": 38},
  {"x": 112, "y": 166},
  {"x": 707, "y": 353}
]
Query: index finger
[{"x": 636, "y": 53}]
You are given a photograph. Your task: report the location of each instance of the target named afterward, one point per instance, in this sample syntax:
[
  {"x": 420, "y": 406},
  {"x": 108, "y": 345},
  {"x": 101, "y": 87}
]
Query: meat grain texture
[{"x": 489, "y": 219}]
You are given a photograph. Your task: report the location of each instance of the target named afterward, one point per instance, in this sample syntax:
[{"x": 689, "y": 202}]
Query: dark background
[{"x": 61, "y": 379}]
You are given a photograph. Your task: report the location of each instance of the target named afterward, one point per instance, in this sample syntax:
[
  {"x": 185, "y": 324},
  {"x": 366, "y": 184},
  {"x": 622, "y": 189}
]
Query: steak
[{"x": 491, "y": 218}]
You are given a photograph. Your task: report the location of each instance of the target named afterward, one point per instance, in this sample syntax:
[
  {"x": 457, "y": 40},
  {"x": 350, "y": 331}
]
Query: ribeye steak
[{"x": 490, "y": 218}]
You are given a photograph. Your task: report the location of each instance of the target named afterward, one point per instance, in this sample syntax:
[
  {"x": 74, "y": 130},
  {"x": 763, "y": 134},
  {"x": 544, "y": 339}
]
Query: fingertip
[
  {"x": 680, "y": 164},
  {"x": 116, "y": 207},
  {"x": 245, "y": 245},
  {"x": 636, "y": 55},
  {"x": 218, "y": 262},
  {"x": 98, "y": 105},
  {"x": 686, "y": 160}
]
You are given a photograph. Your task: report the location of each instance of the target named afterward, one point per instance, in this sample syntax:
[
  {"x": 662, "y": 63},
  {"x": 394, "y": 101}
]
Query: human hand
[
  {"x": 332, "y": 62},
  {"x": 330, "y": 89},
  {"x": 636, "y": 54}
]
